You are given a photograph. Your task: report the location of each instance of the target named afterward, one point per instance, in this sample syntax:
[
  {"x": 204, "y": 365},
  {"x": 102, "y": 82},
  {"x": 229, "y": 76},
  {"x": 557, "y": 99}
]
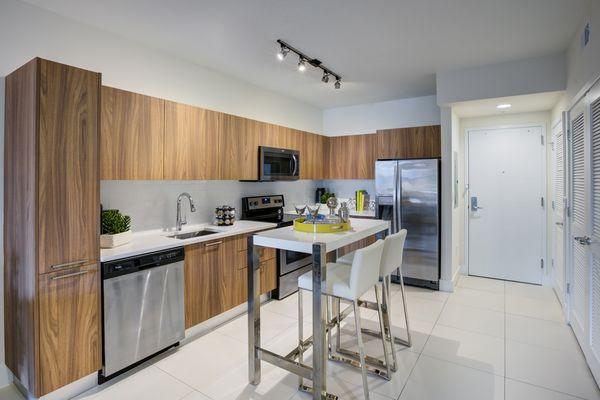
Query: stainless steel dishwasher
[{"x": 143, "y": 308}]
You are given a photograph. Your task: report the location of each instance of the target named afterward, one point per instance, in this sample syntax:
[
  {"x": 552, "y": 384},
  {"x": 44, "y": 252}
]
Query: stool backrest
[
  {"x": 365, "y": 268},
  {"x": 392, "y": 253}
]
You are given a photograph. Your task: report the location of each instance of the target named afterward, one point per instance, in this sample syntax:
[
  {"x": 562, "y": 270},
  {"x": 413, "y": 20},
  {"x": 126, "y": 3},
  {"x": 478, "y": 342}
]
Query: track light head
[
  {"x": 338, "y": 84},
  {"x": 282, "y": 53},
  {"x": 325, "y": 77},
  {"x": 302, "y": 65}
]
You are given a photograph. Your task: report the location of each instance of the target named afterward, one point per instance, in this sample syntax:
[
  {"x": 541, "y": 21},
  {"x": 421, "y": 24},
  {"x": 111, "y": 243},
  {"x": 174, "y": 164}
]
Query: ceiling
[
  {"x": 384, "y": 49},
  {"x": 519, "y": 104}
]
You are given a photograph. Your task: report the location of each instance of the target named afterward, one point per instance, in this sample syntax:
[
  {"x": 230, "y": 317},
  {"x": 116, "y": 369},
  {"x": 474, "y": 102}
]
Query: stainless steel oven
[
  {"x": 278, "y": 164},
  {"x": 290, "y": 265}
]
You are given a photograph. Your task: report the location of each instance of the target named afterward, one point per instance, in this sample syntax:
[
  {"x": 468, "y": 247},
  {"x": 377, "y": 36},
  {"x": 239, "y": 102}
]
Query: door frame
[{"x": 544, "y": 177}]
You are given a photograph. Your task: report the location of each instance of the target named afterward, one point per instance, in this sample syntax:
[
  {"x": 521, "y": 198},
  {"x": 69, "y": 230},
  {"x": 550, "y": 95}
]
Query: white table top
[{"x": 288, "y": 239}]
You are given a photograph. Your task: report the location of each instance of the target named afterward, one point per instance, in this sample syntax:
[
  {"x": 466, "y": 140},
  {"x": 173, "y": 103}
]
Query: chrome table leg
[
  {"x": 253, "y": 312},
  {"x": 319, "y": 321}
]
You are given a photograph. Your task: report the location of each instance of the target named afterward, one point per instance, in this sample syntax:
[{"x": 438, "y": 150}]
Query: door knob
[{"x": 584, "y": 240}]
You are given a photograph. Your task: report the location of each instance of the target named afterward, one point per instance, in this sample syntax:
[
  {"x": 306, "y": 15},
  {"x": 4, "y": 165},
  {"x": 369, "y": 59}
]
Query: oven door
[
  {"x": 290, "y": 261},
  {"x": 278, "y": 164}
]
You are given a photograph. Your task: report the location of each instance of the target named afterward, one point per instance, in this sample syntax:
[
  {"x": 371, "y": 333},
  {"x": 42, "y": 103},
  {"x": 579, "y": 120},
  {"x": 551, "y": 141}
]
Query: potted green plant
[{"x": 116, "y": 229}]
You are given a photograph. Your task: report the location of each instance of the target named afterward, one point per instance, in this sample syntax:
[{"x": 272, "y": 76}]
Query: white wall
[
  {"x": 534, "y": 75},
  {"x": 505, "y": 120},
  {"x": 583, "y": 63},
  {"x": 368, "y": 118}
]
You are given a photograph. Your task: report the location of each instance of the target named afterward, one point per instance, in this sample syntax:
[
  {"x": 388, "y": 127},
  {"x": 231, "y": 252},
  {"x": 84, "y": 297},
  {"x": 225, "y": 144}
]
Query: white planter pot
[{"x": 109, "y": 241}]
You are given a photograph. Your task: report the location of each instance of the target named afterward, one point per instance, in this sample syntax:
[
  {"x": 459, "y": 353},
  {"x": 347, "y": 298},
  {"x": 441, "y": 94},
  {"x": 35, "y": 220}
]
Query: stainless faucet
[{"x": 183, "y": 220}]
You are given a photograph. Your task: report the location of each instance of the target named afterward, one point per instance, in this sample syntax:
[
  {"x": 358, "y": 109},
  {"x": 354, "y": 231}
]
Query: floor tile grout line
[
  {"x": 193, "y": 389},
  {"x": 546, "y": 388}
]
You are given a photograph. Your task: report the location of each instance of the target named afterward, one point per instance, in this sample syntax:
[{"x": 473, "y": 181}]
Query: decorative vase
[{"x": 119, "y": 239}]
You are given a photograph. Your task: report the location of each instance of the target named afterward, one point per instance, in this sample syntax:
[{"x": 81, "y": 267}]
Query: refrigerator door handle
[{"x": 395, "y": 202}]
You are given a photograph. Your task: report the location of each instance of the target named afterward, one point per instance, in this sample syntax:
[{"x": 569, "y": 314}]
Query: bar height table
[{"x": 317, "y": 244}]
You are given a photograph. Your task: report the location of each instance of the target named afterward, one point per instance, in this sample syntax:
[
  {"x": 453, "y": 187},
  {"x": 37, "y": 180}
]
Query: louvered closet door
[
  {"x": 594, "y": 242},
  {"x": 580, "y": 221},
  {"x": 558, "y": 218}
]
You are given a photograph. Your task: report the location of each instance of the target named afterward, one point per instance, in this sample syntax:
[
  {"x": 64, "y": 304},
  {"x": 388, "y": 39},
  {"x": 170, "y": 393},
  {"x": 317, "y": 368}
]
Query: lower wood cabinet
[
  {"x": 69, "y": 326},
  {"x": 216, "y": 274}
]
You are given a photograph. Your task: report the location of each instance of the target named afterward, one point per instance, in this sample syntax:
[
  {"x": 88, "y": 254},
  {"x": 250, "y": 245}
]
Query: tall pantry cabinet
[{"x": 51, "y": 227}]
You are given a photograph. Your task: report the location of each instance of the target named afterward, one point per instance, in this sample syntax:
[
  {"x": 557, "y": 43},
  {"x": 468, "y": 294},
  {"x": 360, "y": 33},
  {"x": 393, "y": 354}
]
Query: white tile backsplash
[
  {"x": 152, "y": 204},
  {"x": 345, "y": 188}
]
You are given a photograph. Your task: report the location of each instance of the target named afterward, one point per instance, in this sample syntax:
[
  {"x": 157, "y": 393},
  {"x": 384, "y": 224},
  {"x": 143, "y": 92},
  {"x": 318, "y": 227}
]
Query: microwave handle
[{"x": 295, "y": 165}]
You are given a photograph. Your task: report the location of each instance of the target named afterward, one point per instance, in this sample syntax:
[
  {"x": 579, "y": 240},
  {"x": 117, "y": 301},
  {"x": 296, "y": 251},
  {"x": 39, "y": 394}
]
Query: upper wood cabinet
[
  {"x": 51, "y": 228},
  {"x": 192, "y": 142},
  {"x": 312, "y": 156},
  {"x": 351, "y": 157},
  {"x": 132, "y": 135},
  {"x": 68, "y": 184},
  {"x": 417, "y": 142}
]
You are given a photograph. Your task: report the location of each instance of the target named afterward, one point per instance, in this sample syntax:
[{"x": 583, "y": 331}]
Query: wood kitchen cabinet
[
  {"x": 216, "y": 274},
  {"x": 51, "y": 228},
  {"x": 312, "y": 157},
  {"x": 132, "y": 135},
  {"x": 416, "y": 142},
  {"x": 69, "y": 315},
  {"x": 351, "y": 157},
  {"x": 192, "y": 144}
]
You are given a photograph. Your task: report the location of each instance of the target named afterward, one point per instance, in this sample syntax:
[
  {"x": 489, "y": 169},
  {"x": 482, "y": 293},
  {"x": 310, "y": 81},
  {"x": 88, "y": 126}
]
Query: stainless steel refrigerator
[{"x": 408, "y": 195}]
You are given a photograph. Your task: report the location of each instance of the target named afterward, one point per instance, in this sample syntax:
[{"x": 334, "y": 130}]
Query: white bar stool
[
  {"x": 347, "y": 284},
  {"x": 391, "y": 260}
]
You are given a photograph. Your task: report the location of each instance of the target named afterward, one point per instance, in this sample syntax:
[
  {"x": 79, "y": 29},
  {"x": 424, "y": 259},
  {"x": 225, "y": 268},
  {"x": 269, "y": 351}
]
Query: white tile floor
[{"x": 487, "y": 340}]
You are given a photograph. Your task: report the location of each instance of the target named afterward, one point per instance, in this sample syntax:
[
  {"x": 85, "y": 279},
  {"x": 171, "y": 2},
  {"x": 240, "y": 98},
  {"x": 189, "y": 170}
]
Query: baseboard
[{"x": 447, "y": 285}]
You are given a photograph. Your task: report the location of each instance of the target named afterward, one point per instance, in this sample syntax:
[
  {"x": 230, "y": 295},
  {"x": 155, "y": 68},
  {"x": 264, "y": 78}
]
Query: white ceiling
[
  {"x": 520, "y": 104},
  {"x": 384, "y": 49}
]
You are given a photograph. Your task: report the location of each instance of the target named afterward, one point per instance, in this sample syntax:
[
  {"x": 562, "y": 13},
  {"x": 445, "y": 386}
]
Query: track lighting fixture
[
  {"x": 302, "y": 65},
  {"x": 283, "y": 51},
  {"x": 304, "y": 61}
]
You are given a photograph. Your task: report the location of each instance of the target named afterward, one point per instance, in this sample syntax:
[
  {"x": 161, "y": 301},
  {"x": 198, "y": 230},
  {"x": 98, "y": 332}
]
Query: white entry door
[
  {"x": 506, "y": 206},
  {"x": 558, "y": 215}
]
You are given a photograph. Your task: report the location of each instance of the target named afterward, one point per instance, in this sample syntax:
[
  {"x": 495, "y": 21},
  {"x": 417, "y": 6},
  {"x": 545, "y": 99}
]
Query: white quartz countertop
[
  {"x": 156, "y": 240},
  {"x": 289, "y": 239}
]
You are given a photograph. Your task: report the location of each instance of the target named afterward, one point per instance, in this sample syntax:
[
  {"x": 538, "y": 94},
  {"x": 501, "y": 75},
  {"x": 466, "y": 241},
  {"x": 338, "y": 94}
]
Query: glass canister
[{"x": 344, "y": 212}]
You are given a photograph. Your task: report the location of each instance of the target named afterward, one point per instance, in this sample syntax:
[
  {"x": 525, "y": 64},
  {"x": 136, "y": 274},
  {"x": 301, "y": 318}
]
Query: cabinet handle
[
  {"x": 214, "y": 243},
  {"x": 55, "y": 278},
  {"x": 69, "y": 264}
]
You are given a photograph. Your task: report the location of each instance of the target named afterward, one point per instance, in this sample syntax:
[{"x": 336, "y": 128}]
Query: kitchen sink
[{"x": 189, "y": 235}]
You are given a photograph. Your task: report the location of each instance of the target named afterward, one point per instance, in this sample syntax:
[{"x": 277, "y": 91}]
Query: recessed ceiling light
[{"x": 503, "y": 106}]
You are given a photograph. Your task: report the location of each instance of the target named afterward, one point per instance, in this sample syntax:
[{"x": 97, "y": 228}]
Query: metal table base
[{"x": 318, "y": 372}]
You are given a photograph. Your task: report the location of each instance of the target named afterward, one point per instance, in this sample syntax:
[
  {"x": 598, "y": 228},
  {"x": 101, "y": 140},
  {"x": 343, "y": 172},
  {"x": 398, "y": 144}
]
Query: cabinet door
[
  {"x": 417, "y": 142},
  {"x": 68, "y": 166},
  {"x": 192, "y": 142},
  {"x": 69, "y": 326},
  {"x": 268, "y": 276},
  {"x": 131, "y": 135},
  {"x": 312, "y": 157},
  {"x": 201, "y": 282},
  {"x": 352, "y": 157}
]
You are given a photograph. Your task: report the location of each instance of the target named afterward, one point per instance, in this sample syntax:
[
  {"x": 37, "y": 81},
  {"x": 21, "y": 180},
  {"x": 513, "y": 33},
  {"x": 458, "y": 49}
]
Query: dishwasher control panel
[{"x": 111, "y": 269}]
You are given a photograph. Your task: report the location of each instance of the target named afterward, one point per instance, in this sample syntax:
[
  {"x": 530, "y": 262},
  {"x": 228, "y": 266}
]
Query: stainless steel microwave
[{"x": 278, "y": 164}]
